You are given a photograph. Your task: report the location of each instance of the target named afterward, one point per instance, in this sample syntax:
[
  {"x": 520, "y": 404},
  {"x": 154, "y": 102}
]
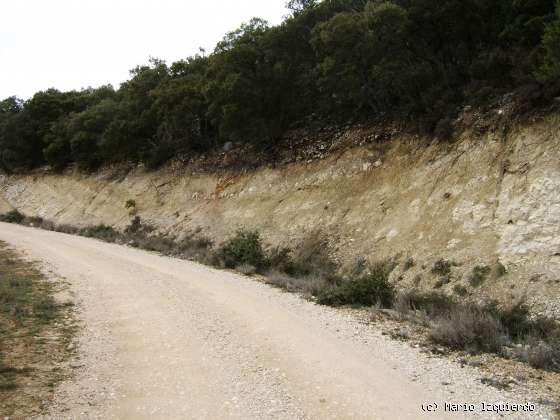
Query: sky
[{"x": 74, "y": 44}]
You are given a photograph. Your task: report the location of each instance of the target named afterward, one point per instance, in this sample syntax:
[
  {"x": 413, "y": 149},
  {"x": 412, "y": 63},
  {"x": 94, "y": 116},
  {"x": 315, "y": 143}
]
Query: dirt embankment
[{"x": 490, "y": 200}]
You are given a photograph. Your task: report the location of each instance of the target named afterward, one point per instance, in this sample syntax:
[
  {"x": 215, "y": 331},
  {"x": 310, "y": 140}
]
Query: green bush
[
  {"x": 244, "y": 247},
  {"x": 478, "y": 275},
  {"x": 103, "y": 232},
  {"x": 12, "y": 216},
  {"x": 280, "y": 259},
  {"x": 460, "y": 290},
  {"x": 369, "y": 287},
  {"x": 134, "y": 226},
  {"x": 442, "y": 267}
]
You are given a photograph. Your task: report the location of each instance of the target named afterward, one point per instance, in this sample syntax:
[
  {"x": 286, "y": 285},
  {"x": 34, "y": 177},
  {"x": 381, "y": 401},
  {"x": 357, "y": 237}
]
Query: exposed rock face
[{"x": 485, "y": 200}]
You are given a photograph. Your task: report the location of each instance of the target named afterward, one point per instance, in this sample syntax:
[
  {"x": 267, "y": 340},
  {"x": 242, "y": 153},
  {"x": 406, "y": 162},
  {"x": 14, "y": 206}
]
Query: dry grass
[
  {"x": 246, "y": 269},
  {"x": 470, "y": 328},
  {"x": 478, "y": 275},
  {"x": 29, "y": 364},
  {"x": 476, "y": 328},
  {"x": 310, "y": 285}
]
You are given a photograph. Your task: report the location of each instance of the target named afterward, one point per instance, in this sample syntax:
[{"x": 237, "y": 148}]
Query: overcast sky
[{"x": 71, "y": 44}]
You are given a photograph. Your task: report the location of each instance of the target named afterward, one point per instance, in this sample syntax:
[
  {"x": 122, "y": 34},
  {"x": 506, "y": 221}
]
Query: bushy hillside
[{"x": 336, "y": 59}]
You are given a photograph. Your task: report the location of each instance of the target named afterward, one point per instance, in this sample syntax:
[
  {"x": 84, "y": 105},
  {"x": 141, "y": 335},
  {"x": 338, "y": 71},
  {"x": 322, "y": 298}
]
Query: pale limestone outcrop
[{"x": 483, "y": 200}]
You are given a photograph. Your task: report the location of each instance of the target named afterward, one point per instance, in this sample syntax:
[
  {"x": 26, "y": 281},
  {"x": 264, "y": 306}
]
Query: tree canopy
[{"x": 330, "y": 59}]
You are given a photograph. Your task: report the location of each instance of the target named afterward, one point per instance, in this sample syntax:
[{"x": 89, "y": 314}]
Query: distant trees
[
  {"x": 16, "y": 145},
  {"x": 335, "y": 59}
]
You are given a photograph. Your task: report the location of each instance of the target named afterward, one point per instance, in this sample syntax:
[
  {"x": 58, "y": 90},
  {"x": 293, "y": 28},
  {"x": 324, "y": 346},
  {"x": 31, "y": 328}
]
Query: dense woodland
[{"x": 330, "y": 60}]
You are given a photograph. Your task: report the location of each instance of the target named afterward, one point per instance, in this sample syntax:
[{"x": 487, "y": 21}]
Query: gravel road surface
[{"x": 163, "y": 338}]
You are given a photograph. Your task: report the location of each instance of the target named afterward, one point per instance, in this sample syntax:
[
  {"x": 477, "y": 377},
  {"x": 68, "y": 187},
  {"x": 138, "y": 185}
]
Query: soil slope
[{"x": 490, "y": 199}]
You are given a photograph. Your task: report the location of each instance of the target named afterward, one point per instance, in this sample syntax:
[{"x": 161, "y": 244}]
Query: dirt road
[{"x": 170, "y": 339}]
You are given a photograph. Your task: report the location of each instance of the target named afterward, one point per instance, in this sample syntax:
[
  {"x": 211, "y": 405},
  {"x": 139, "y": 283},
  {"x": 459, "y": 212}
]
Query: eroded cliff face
[{"x": 487, "y": 200}]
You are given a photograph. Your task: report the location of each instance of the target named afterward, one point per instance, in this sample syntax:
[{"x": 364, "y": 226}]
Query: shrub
[
  {"x": 520, "y": 325},
  {"x": 12, "y": 216},
  {"x": 47, "y": 225},
  {"x": 135, "y": 225},
  {"x": 469, "y": 328},
  {"x": 244, "y": 247},
  {"x": 500, "y": 269},
  {"x": 103, "y": 232},
  {"x": 131, "y": 206},
  {"x": 408, "y": 264},
  {"x": 371, "y": 287},
  {"x": 478, "y": 275},
  {"x": 432, "y": 304},
  {"x": 156, "y": 243},
  {"x": 460, "y": 290},
  {"x": 199, "y": 249},
  {"x": 442, "y": 267},
  {"x": 542, "y": 354},
  {"x": 281, "y": 260},
  {"x": 484, "y": 327}
]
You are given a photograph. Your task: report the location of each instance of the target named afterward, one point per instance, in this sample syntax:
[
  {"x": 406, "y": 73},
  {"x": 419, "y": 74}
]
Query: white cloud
[{"x": 70, "y": 44}]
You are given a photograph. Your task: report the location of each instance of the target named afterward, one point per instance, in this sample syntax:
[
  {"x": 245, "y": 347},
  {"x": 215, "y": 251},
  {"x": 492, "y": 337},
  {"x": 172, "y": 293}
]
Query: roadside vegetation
[
  {"x": 36, "y": 334},
  {"x": 454, "y": 323},
  {"x": 341, "y": 61}
]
